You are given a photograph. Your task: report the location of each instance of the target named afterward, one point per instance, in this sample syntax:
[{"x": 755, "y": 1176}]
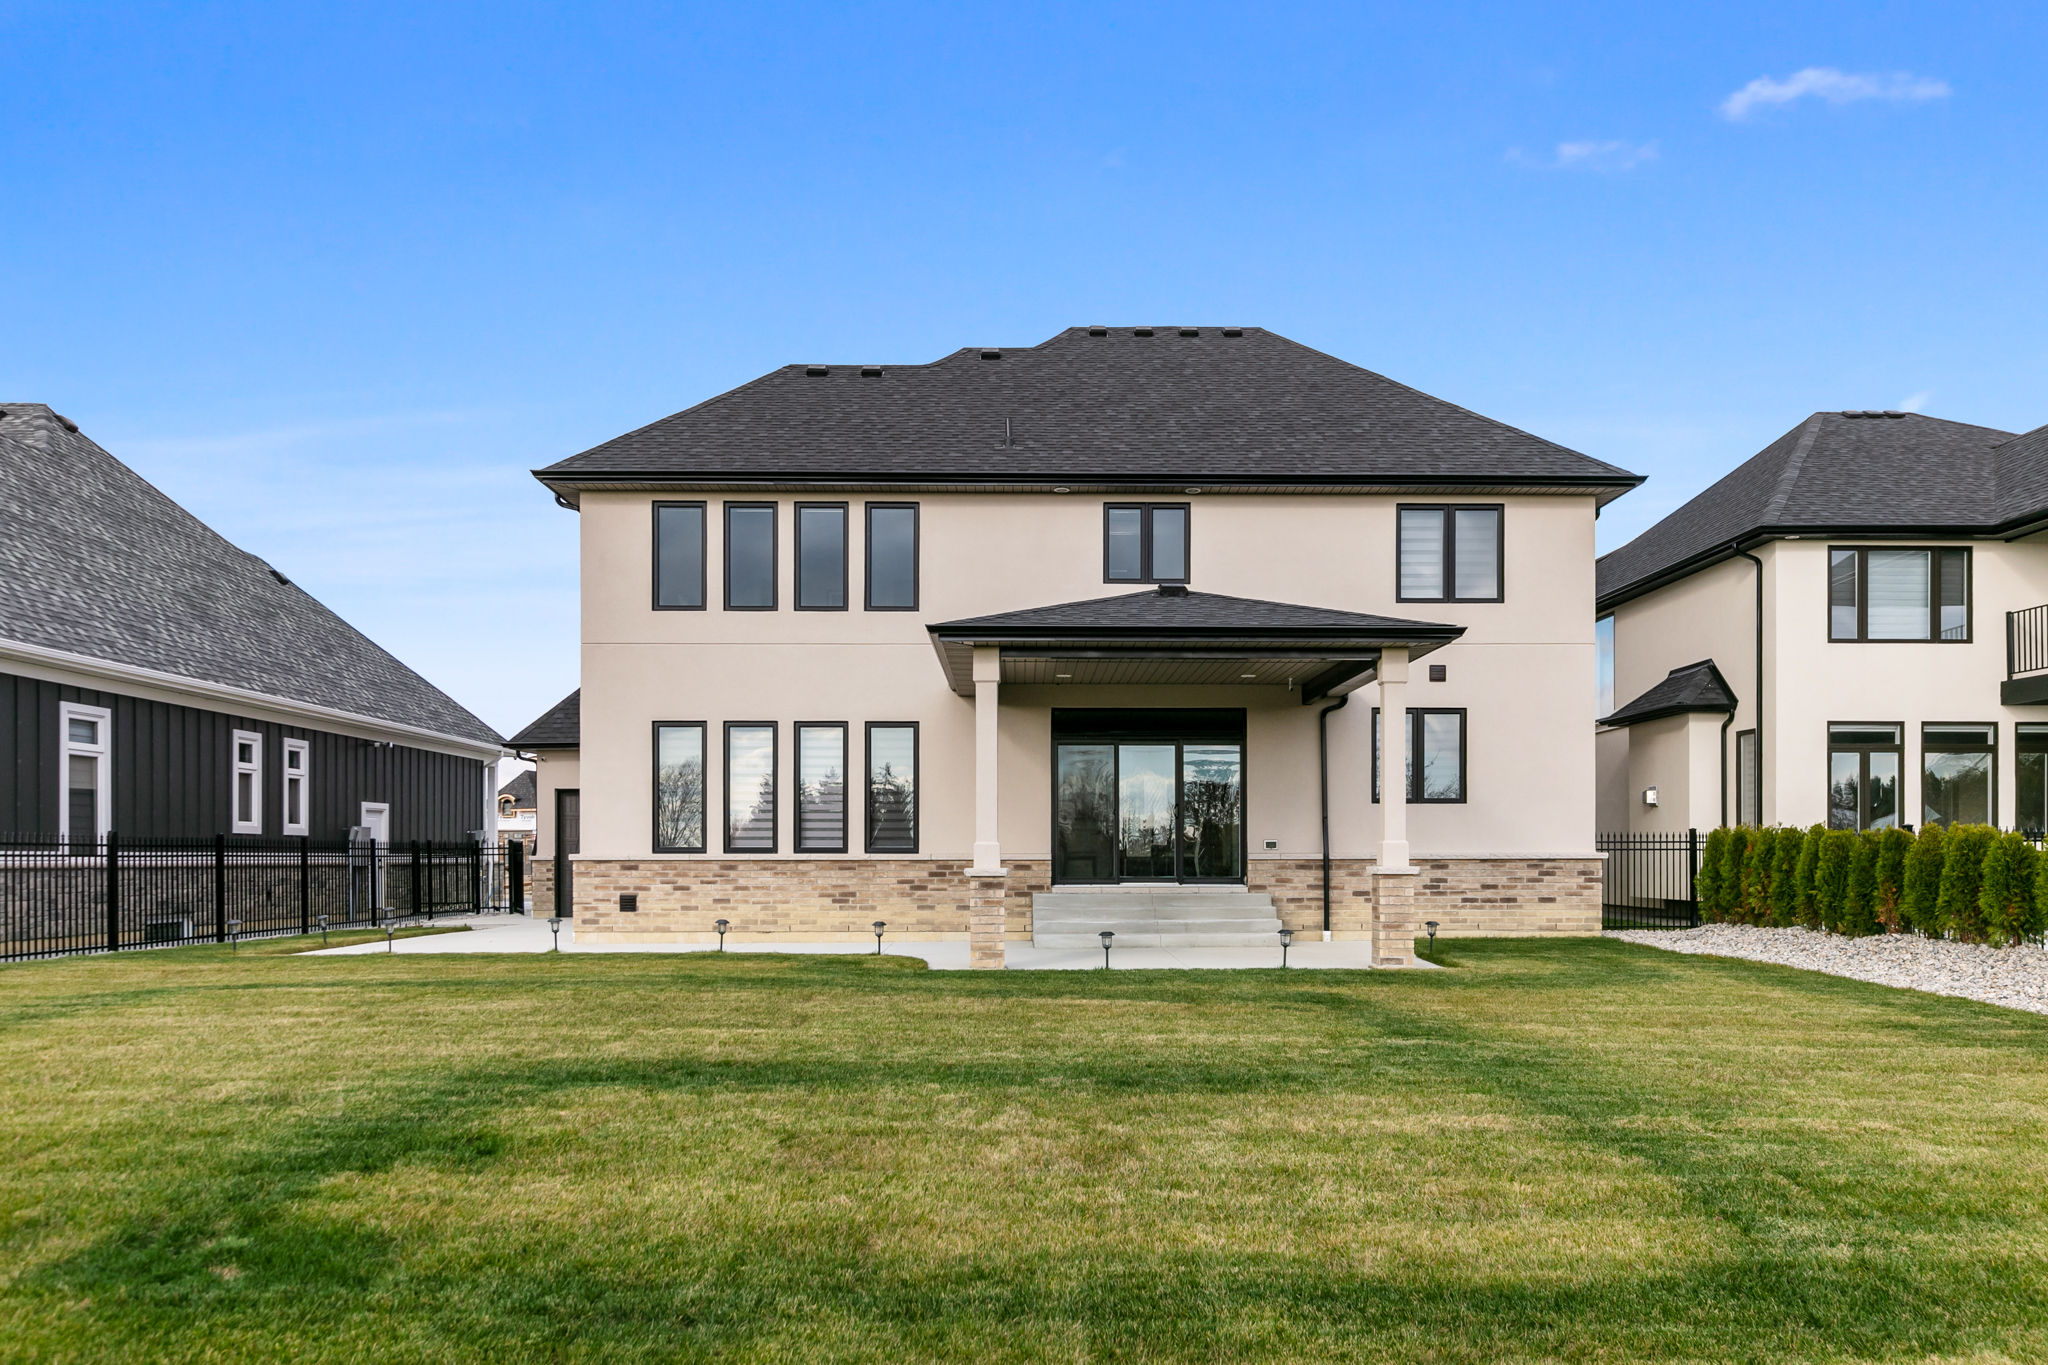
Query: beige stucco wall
[
  {"x": 1610, "y": 777},
  {"x": 553, "y": 769},
  {"x": 1811, "y": 681},
  {"x": 1524, "y": 669},
  {"x": 1679, "y": 756}
]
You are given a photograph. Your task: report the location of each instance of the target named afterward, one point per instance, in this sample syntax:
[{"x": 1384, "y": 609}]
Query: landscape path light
[
  {"x": 555, "y": 927},
  {"x": 1430, "y": 925},
  {"x": 1107, "y": 935},
  {"x": 323, "y": 931},
  {"x": 234, "y": 935},
  {"x": 721, "y": 926},
  {"x": 1286, "y": 937},
  {"x": 880, "y": 925},
  {"x": 390, "y": 936}
]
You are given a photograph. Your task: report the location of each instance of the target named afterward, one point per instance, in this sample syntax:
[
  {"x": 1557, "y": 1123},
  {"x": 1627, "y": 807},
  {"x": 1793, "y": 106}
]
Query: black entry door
[
  {"x": 568, "y": 840},
  {"x": 1152, "y": 795}
]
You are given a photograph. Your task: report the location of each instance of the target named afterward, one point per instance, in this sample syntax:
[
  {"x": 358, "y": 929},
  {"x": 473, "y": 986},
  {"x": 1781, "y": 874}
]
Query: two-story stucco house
[
  {"x": 1847, "y": 629},
  {"x": 1094, "y": 634}
]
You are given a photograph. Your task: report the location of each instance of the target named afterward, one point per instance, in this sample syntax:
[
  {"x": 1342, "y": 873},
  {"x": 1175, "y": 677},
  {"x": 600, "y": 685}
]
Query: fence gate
[{"x": 1646, "y": 880}]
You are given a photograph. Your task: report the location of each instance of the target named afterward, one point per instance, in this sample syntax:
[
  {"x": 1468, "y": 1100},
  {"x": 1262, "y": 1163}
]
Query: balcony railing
[{"x": 2026, "y": 641}]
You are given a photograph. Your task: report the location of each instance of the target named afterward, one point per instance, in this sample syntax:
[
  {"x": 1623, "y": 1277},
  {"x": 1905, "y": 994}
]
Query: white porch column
[
  {"x": 1394, "y": 912},
  {"x": 1393, "y": 683},
  {"x": 987, "y": 894}
]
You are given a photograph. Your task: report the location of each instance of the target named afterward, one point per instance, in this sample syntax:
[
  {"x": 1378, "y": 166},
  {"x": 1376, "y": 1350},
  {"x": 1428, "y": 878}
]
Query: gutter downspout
[
  {"x": 1759, "y": 698},
  {"x": 1724, "y": 762},
  {"x": 1323, "y": 759}
]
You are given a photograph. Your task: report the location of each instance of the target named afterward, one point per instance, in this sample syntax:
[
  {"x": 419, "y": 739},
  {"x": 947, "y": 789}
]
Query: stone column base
[
  {"x": 1393, "y": 917},
  {"x": 987, "y": 900}
]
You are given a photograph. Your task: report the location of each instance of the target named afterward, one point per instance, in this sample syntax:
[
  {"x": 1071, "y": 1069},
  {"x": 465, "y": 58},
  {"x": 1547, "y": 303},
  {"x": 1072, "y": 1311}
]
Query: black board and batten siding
[{"x": 173, "y": 769}]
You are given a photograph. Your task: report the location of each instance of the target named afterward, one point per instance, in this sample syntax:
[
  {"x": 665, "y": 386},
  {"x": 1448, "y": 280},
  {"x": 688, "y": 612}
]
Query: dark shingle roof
[
  {"x": 1192, "y": 615},
  {"x": 560, "y": 728},
  {"x": 1875, "y": 474},
  {"x": 522, "y": 789},
  {"x": 1249, "y": 409},
  {"x": 96, "y": 561},
  {"x": 1694, "y": 687}
]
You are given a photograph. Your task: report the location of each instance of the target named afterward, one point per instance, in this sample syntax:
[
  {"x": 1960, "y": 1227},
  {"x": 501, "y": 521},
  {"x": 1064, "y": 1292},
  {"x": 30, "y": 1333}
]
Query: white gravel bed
[{"x": 2014, "y": 977}]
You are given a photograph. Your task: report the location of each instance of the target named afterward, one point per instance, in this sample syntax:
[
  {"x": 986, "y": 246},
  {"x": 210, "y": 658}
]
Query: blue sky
[{"x": 338, "y": 277}]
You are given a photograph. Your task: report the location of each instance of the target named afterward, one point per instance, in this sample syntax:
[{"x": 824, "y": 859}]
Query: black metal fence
[
  {"x": 96, "y": 896},
  {"x": 1646, "y": 880}
]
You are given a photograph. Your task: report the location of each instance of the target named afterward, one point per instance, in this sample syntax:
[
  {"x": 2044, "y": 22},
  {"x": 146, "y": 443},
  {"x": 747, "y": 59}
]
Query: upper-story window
[
  {"x": 1145, "y": 543},
  {"x": 821, "y": 556},
  {"x": 297, "y": 764},
  {"x": 679, "y": 556},
  {"x": 750, "y": 556},
  {"x": 1450, "y": 554},
  {"x": 1888, "y": 594},
  {"x": 246, "y": 792},
  {"x": 892, "y": 556}
]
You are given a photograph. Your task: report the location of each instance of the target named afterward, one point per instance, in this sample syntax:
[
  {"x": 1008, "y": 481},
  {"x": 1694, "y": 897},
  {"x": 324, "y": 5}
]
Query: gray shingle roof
[
  {"x": 522, "y": 789},
  {"x": 1693, "y": 687},
  {"x": 561, "y": 727},
  {"x": 96, "y": 561},
  {"x": 1874, "y": 474},
  {"x": 1249, "y": 409},
  {"x": 1193, "y": 615}
]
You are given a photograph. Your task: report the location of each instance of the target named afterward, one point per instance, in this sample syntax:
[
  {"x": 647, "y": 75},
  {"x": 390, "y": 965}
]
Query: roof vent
[
  {"x": 991, "y": 355},
  {"x": 1233, "y": 331},
  {"x": 65, "y": 422},
  {"x": 280, "y": 578},
  {"x": 1173, "y": 590},
  {"x": 816, "y": 371},
  {"x": 1190, "y": 331},
  {"x": 1098, "y": 331},
  {"x": 871, "y": 372},
  {"x": 1889, "y": 413},
  {"x": 1141, "y": 331}
]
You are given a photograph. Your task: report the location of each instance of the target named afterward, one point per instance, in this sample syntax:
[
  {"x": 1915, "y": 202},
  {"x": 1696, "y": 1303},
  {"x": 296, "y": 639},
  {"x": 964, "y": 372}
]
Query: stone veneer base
[{"x": 931, "y": 900}]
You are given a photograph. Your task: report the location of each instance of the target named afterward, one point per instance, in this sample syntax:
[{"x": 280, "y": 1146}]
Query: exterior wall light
[
  {"x": 721, "y": 926},
  {"x": 1649, "y": 796},
  {"x": 1107, "y": 935},
  {"x": 880, "y": 925}
]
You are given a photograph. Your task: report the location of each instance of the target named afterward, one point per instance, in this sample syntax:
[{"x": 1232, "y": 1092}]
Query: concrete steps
[{"x": 1170, "y": 917}]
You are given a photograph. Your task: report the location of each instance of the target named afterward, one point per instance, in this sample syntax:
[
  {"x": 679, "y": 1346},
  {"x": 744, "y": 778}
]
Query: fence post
[
  {"x": 220, "y": 888},
  {"x": 476, "y": 875},
  {"x": 515, "y": 866},
  {"x": 417, "y": 898},
  {"x": 1692, "y": 875},
  {"x": 113, "y": 891},
  {"x": 374, "y": 897},
  {"x": 305, "y": 887}
]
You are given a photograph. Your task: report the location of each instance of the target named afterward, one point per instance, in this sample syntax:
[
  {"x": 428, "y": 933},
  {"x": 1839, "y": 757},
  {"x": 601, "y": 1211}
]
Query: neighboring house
[
  {"x": 156, "y": 681},
  {"x": 1848, "y": 629},
  {"x": 516, "y": 810},
  {"x": 969, "y": 646},
  {"x": 551, "y": 742}
]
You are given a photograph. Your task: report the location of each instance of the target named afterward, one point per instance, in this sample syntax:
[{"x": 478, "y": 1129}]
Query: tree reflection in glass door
[
  {"x": 1145, "y": 809},
  {"x": 1212, "y": 811}
]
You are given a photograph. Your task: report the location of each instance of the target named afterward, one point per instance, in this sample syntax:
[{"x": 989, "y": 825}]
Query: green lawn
[{"x": 1555, "y": 1151}]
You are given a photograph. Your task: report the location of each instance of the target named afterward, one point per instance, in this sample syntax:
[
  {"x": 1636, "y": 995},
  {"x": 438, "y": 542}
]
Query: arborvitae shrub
[
  {"x": 1785, "y": 877},
  {"x": 1831, "y": 876},
  {"x": 1736, "y": 855},
  {"x": 2005, "y": 899},
  {"x": 1707, "y": 886},
  {"x": 1757, "y": 868},
  {"x": 1809, "y": 860},
  {"x": 1957, "y": 911},
  {"x": 1920, "y": 905},
  {"x": 1893, "y": 845},
  {"x": 1859, "y": 916}
]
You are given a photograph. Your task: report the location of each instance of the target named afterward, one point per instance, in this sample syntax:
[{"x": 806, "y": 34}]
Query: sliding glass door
[{"x": 1148, "y": 809}]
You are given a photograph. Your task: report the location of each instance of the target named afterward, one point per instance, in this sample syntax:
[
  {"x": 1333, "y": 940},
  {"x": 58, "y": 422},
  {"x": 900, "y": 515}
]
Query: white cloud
[
  {"x": 1836, "y": 87},
  {"x": 1917, "y": 403},
  {"x": 1589, "y": 156}
]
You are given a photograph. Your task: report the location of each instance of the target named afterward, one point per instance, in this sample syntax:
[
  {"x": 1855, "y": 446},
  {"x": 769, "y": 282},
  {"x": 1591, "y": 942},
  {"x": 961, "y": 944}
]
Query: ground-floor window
[
  {"x": 86, "y": 812},
  {"x": 2033, "y": 778},
  {"x": 1148, "y": 795},
  {"x": 679, "y": 787},
  {"x": 1863, "y": 776},
  {"x": 821, "y": 787},
  {"x": 1958, "y": 774},
  {"x": 1748, "y": 788},
  {"x": 247, "y": 792},
  {"x": 892, "y": 787},
  {"x": 750, "y": 787},
  {"x": 1436, "y": 736}
]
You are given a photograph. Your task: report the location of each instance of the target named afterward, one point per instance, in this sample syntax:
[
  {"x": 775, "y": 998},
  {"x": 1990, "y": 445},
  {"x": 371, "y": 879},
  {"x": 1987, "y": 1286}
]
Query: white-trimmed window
[
  {"x": 295, "y": 789},
  {"x": 245, "y": 788},
  {"x": 86, "y": 812}
]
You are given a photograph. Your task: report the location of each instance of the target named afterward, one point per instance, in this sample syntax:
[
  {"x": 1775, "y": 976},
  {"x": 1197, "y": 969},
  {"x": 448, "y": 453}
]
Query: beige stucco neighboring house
[
  {"x": 1847, "y": 629},
  {"x": 1096, "y": 633}
]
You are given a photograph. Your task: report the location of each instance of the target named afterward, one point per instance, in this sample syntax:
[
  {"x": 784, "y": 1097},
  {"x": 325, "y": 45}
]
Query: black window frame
[
  {"x": 703, "y": 730},
  {"x": 796, "y": 760},
  {"x": 1748, "y": 783},
  {"x": 1450, "y": 549},
  {"x": 1146, "y": 509},
  {"x": 1414, "y": 775},
  {"x": 1897, "y": 747},
  {"x": 867, "y": 779},
  {"x": 703, "y": 556},
  {"x": 796, "y": 523},
  {"x": 867, "y": 550},
  {"x": 1991, "y": 800},
  {"x": 774, "y": 552},
  {"x": 1934, "y": 584},
  {"x": 2029, "y": 738},
  {"x": 774, "y": 779}
]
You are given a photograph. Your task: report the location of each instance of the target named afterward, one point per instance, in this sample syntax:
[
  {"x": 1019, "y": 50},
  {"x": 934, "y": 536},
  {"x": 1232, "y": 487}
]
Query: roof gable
[
  {"x": 1691, "y": 687},
  {"x": 559, "y": 727},
  {"x": 1237, "y": 405}
]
